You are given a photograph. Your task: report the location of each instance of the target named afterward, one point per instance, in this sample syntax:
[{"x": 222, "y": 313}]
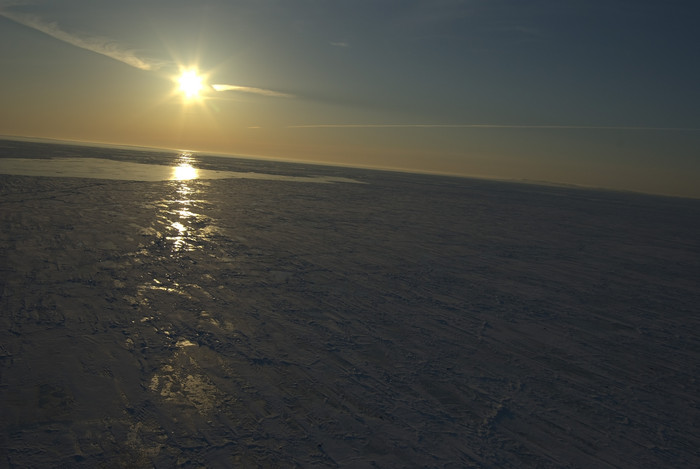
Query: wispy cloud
[
  {"x": 99, "y": 45},
  {"x": 110, "y": 48},
  {"x": 488, "y": 126},
  {"x": 340, "y": 44},
  {"x": 250, "y": 89}
]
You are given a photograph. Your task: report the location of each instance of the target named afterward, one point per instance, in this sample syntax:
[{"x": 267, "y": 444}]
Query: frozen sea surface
[{"x": 410, "y": 321}]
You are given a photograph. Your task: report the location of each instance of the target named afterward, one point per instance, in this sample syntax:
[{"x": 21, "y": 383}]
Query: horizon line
[{"x": 491, "y": 126}]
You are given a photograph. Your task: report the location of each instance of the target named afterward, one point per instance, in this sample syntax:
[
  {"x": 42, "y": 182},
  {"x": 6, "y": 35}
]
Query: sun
[{"x": 190, "y": 84}]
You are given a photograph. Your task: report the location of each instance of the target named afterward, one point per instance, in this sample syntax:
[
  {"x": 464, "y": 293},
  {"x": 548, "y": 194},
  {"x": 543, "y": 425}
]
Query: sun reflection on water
[
  {"x": 184, "y": 172},
  {"x": 182, "y": 218}
]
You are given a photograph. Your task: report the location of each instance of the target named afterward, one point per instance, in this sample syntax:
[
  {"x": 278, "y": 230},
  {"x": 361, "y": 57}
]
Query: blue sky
[{"x": 598, "y": 93}]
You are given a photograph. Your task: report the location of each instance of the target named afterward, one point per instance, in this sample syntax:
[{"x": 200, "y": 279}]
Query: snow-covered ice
[{"x": 409, "y": 321}]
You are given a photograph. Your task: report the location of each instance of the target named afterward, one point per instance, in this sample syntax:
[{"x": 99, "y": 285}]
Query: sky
[{"x": 600, "y": 93}]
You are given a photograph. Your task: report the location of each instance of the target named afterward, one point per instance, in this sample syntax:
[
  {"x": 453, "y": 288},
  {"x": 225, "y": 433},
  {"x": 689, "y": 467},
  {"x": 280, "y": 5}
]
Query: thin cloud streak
[
  {"x": 100, "y": 45},
  {"x": 487, "y": 126},
  {"x": 250, "y": 89}
]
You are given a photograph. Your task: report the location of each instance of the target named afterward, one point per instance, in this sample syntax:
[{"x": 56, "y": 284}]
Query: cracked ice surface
[{"x": 411, "y": 321}]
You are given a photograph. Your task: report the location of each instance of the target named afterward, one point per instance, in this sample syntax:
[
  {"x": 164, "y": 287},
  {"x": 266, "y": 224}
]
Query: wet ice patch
[
  {"x": 98, "y": 168},
  {"x": 185, "y": 343},
  {"x": 181, "y": 382}
]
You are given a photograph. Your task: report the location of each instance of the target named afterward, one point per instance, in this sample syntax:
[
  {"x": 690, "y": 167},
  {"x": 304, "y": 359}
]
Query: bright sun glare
[{"x": 190, "y": 84}]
